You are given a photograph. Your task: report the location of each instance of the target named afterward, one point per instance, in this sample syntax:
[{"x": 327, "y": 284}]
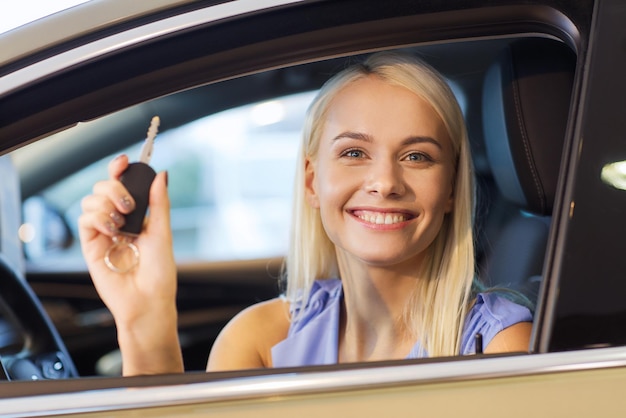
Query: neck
[{"x": 372, "y": 325}]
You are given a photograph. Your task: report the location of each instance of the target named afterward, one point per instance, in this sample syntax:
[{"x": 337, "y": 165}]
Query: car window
[{"x": 230, "y": 184}]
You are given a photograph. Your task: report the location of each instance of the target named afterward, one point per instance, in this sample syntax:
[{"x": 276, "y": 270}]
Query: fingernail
[
  {"x": 126, "y": 203},
  {"x": 117, "y": 218},
  {"x": 111, "y": 227},
  {"x": 118, "y": 157}
]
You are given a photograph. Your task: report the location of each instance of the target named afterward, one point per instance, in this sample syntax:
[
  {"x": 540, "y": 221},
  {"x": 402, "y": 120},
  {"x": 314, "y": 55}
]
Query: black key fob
[{"x": 137, "y": 178}]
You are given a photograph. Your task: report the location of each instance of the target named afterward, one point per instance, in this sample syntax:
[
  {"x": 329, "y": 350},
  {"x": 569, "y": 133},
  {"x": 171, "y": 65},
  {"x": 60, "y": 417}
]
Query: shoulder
[
  {"x": 503, "y": 324},
  {"x": 515, "y": 338},
  {"x": 246, "y": 341},
  {"x": 496, "y": 309}
]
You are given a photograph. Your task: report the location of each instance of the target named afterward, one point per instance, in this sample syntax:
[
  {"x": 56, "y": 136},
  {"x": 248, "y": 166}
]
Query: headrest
[{"x": 526, "y": 100}]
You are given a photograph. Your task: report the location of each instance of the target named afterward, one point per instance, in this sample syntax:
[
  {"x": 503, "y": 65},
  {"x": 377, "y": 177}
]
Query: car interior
[
  {"x": 515, "y": 93},
  {"x": 526, "y": 101}
]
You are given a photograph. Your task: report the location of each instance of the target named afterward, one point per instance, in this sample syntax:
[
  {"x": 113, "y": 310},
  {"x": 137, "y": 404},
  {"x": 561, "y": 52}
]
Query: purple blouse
[{"x": 313, "y": 338}]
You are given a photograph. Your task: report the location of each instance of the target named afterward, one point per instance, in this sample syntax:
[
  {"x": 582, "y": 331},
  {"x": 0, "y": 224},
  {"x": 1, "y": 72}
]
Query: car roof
[
  {"x": 75, "y": 22},
  {"x": 93, "y": 19}
]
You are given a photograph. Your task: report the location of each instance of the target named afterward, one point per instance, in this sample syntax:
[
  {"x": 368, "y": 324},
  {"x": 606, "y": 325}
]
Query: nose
[{"x": 385, "y": 179}]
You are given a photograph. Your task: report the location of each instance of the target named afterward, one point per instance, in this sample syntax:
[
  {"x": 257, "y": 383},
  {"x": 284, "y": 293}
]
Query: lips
[{"x": 382, "y": 218}]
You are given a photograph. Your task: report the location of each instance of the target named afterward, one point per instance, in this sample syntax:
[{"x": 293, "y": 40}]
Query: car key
[
  {"x": 137, "y": 179},
  {"x": 123, "y": 255}
]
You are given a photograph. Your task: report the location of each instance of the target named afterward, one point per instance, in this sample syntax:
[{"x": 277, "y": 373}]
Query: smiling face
[{"x": 383, "y": 174}]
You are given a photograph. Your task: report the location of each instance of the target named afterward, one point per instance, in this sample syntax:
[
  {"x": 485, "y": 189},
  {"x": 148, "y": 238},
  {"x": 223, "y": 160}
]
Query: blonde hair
[{"x": 440, "y": 301}]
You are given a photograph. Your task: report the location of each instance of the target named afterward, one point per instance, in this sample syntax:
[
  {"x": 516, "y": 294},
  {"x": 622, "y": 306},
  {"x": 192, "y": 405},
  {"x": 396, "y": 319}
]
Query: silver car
[{"x": 542, "y": 87}]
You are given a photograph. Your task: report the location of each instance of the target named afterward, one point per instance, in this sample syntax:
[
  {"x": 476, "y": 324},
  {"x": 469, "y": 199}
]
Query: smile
[{"x": 381, "y": 218}]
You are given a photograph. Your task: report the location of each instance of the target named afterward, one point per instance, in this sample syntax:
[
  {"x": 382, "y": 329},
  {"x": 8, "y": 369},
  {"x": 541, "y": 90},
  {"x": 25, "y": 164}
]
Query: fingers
[
  {"x": 100, "y": 213},
  {"x": 104, "y": 210},
  {"x": 116, "y": 193},
  {"x": 117, "y": 166}
]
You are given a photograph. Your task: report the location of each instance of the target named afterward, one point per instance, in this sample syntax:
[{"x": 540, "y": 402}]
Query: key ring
[{"x": 120, "y": 243}]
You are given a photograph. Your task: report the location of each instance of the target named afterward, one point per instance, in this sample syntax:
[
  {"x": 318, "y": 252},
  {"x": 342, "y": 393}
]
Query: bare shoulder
[
  {"x": 515, "y": 338},
  {"x": 246, "y": 341}
]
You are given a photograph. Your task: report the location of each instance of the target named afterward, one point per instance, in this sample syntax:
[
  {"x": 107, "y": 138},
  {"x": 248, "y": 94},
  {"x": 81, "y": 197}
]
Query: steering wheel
[{"x": 30, "y": 346}]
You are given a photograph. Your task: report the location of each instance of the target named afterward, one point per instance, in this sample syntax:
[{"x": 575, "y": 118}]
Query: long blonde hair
[{"x": 440, "y": 301}]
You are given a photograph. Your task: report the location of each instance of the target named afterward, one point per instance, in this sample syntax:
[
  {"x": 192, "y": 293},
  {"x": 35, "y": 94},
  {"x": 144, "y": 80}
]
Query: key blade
[{"x": 148, "y": 145}]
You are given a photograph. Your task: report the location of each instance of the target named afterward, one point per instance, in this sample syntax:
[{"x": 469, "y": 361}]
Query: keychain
[{"x": 123, "y": 255}]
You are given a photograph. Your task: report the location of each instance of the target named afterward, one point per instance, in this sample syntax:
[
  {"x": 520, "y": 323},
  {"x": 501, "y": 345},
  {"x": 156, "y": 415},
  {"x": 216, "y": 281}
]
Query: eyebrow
[{"x": 407, "y": 141}]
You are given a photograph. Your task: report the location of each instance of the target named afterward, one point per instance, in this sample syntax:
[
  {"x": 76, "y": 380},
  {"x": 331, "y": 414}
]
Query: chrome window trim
[
  {"x": 116, "y": 42},
  {"x": 266, "y": 386}
]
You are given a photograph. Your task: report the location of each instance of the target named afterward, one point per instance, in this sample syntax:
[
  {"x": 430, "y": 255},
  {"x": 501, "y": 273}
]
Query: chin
[{"x": 389, "y": 260}]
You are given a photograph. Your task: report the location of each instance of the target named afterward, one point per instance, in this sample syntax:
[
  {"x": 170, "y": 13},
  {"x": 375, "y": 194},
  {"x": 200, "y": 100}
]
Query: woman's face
[{"x": 383, "y": 175}]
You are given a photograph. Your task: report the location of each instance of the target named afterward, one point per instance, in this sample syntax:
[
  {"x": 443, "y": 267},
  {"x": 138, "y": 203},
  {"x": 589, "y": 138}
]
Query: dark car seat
[{"x": 526, "y": 101}]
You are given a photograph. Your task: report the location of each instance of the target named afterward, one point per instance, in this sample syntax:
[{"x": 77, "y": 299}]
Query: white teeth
[{"x": 382, "y": 218}]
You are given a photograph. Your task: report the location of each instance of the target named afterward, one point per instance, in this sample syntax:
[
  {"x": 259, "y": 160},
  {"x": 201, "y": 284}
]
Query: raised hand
[{"x": 142, "y": 300}]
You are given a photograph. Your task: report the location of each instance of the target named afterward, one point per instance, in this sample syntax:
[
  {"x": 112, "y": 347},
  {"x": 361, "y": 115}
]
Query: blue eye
[
  {"x": 417, "y": 157},
  {"x": 353, "y": 153}
]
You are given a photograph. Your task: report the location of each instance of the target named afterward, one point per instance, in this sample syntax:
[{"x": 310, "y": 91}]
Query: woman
[{"x": 381, "y": 262}]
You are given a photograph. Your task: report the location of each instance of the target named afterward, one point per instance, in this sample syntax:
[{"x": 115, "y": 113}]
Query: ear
[
  {"x": 450, "y": 202},
  {"x": 309, "y": 184}
]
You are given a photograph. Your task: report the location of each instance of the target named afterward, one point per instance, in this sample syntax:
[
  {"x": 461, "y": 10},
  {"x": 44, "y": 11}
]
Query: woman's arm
[
  {"x": 246, "y": 342},
  {"x": 515, "y": 338},
  {"x": 143, "y": 300}
]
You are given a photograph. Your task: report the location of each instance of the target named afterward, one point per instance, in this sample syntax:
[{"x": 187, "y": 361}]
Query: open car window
[{"x": 230, "y": 152}]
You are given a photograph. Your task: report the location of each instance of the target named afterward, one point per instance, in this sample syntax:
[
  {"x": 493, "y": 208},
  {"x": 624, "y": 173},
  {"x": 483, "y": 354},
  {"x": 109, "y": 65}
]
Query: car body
[{"x": 80, "y": 86}]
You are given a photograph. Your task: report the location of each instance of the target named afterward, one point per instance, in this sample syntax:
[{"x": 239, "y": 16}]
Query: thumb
[{"x": 159, "y": 203}]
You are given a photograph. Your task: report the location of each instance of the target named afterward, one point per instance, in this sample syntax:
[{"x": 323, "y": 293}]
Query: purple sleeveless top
[{"x": 313, "y": 338}]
